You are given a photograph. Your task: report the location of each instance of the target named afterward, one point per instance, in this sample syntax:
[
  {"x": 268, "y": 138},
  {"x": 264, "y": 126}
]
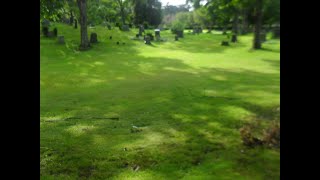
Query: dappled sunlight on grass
[
  {"x": 189, "y": 98},
  {"x": 78, "y": 129}
]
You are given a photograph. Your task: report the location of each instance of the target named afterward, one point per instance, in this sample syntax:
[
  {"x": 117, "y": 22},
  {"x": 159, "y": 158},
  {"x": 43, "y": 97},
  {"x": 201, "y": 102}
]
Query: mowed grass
[{"x": 189, "y": 98}]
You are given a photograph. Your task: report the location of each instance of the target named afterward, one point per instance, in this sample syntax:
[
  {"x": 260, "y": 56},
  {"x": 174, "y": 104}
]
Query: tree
[
  {"x": 147, "y": 11},
  {"x": 51, "y": 9},
  {"x": 271, "y": 12},
  {"x": 258, "y": 25},
  {"x": 121, "y": 6},
  {"x": 201, "y": 17},
  {"x": 195, "y": 3},
  {"x": 221, "y": 11},
  {"x": 82, "y": 4}
]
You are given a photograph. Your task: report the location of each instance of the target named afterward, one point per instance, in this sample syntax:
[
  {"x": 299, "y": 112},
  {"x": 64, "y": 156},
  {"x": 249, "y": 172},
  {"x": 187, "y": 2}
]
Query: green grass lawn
[{"x": 189, "y": 98}]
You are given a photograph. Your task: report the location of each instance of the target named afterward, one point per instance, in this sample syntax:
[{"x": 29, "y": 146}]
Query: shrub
[
  {"x": 272, "y": 136},
  {"x": 247, "y": 137},
  {"x": 177, "y": 26}
]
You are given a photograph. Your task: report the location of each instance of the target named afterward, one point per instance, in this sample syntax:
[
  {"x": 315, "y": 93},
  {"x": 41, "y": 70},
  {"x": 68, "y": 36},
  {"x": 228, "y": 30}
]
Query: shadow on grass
[
  {"x": 274, "y": 63},
  {"x": 189, "y": 119}
]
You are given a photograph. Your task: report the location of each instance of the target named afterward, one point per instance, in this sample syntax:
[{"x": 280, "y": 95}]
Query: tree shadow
[
  {"x": 190, "y": 117},
  {"x": 168, "y": 141},
  {"x": 273, "y": 63}
]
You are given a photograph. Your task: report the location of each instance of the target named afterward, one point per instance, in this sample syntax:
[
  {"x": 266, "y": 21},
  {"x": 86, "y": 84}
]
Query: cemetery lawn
[{"x": 187, "y": 98}]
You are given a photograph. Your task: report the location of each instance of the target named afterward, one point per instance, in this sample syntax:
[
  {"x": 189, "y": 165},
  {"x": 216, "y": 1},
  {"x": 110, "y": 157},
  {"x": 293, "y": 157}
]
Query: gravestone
[
  {"x": 137, "y": 35},
  {"x": 157, "y": 34},
  {"x": 234, "y": 38},
  {"x": 276, "y": 32},
  {"x": 109, "y": 26},
  {"x": 225, "y": 43},
  {"x": 176, "y": 38},
  {"x": 179, "y": 33},
  {"x": 75, "y": 24},
  {"x": 71, "y": 19},
  {"x": 45, "y": 23},
  {"x": 197, "y": 30},
  {"x": 93, "y": 38},
  {"x": 66, "y": 20},
  {"x": 110, "y": 37},
  {"x": 263, "y": 37},
  {"x": 141, "y": 30},
  {"x": 51, "y": 34},
  {"x": 45, "y": 31},
  {"x": 61, "y": 39},
  {"x": 194, "y": 31},
  {"x": 55, "y": 32},
  {"x": 147, "y": 40},
  {"x": 150, "y": 36},
  {"x": 125, "y": 28}
]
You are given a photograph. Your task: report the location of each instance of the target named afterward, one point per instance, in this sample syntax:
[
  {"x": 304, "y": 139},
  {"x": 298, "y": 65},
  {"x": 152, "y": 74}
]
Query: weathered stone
[
  {"x": 55, "y": 32},
  {"x": 151, "y": 36},
  {"x": 263, "y": 37},
  {"x": 141, "y": 30},
  {"x": 93, "y": 38},
  {"x": 276, "y": 32},
  {"x": 61, "y": 39},
  {"x": 179, "y": 33},
  {"x": 45, "y": 23},
  {"x": 51, "y": 34},
  {"x": 71, "y": 20},
  {"x": 147, "y": 40},
  {"x": 224, "y": 43},
  {"x": 176, "y": 38},
  {"x": 75, "y": 24},
  {"x": 234, "y": 38},
  {"x": 157, "y": 32},
  {"x": 197, "y": 30},
  {"x": 125, "y": 28},
  {"x": 45, "y": 30}
]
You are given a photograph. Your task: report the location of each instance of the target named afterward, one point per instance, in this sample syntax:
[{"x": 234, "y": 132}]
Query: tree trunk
[
  {"x": 83, "y": 23},
  {"x": 121, "y": 11},
  {"x": 122, "y": 16},
  {"x": 71, "y": 18},
  {"x": 245, "y": 28},
  {"x": 258, "y": 24},
  {"x": 236, "y": 23},
  {"x": 224, "y": 30}
]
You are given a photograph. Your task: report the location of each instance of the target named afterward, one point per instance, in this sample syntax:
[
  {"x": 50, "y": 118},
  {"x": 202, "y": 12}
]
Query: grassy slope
[{"x": 175, "y": 91}]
